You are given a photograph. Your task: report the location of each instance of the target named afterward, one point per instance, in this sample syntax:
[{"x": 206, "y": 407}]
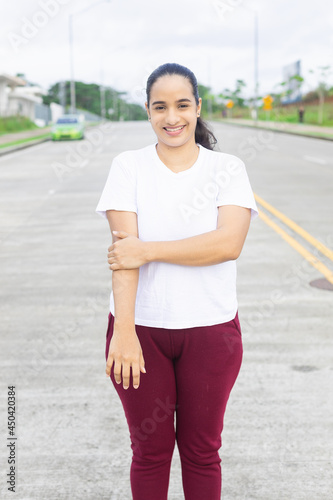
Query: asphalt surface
[{"x": 72, "y": 440}]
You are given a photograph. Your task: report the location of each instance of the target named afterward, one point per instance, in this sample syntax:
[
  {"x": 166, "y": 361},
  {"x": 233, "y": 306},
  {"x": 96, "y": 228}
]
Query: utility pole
[
  {"x": 72, "y": 84},
  {"x": 256, "y": 71},
  {"x": 115, "y": 105},
  {"x": 62, "y": 94},
  {"x": 103, "y": 110}
]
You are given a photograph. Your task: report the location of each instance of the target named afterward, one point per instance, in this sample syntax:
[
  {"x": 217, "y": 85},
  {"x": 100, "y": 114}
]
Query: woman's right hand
[{"x": 125, "y": 353}]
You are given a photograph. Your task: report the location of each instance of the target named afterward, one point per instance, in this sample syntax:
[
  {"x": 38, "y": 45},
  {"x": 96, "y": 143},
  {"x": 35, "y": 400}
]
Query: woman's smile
[{"x": 174, "y": 130}]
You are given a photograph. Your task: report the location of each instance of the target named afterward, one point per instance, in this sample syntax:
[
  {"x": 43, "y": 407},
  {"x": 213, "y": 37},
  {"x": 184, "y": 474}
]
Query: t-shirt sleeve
[
  {"x": 119, "y": 192},
  {"x": 234, "y": 186}
]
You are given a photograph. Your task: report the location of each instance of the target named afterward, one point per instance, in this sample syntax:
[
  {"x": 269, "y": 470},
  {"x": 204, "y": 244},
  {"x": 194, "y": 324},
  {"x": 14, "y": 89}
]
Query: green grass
[
  {"x": 289, "y": 114},
  {"x": 317, "y": 134},
  {"x": 21, "y": 141},
  {"x": 16, "y": 124}
]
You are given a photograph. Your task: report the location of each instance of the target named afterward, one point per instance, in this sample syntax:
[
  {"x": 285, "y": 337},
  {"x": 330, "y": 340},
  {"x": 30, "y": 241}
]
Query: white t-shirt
[{"x": 172, "y": 206}]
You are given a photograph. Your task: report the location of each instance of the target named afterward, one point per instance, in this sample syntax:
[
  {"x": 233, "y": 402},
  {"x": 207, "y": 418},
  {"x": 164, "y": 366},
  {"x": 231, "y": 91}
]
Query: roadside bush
[{"x": 15, "y": 124}]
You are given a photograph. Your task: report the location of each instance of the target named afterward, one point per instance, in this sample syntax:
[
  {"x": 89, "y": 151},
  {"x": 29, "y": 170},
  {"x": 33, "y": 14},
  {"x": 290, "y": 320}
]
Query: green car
[{"x": 68, "y": 127}]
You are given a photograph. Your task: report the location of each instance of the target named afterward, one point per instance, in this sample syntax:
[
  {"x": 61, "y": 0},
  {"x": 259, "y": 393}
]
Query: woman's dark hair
[{"x": 203, "y": 135}]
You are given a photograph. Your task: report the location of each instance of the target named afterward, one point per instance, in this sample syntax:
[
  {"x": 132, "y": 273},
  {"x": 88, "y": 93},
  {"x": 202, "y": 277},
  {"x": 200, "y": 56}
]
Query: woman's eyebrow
[{"x": 179, "y": 100}]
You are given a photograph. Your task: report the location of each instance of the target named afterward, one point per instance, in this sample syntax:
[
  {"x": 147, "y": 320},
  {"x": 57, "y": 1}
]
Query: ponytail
[{"x": 204, "y": 136}]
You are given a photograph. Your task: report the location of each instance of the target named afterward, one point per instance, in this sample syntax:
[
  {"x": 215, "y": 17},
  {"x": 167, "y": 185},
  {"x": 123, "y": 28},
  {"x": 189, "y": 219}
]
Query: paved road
[{"x": 72, "y": 435}]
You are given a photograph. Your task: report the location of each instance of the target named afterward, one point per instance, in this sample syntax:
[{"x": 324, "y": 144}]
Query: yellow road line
[
  {"x": 295, "y": 227},
  {"x": 297, "y": 246}
]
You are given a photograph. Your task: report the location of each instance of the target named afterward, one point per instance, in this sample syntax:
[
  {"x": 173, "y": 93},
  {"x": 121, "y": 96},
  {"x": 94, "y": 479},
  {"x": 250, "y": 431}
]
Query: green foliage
[
  {"x": 235, "y": 95},
  {"x": 204, "y": 93},
  {"x": 88, "y": 97},
  {"x": 15, "y": 124},
  {"x": 310, "y": 96},
  {"x": 323, "y": 72},
  {"x": 288, "y": 113},
  {"x": 213, "y": 105},
  {"x": 286, "y": 93}
]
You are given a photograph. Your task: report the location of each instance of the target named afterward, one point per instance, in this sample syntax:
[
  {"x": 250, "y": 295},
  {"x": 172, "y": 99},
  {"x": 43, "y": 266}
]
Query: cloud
[{"x": 119, "y": 43}]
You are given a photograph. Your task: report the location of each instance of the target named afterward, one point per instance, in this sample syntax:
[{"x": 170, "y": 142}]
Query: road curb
[
  {"x": 12, "y": 149},
  {"x": 258, "y": 127},
  {"x": 28, "y": 144}
]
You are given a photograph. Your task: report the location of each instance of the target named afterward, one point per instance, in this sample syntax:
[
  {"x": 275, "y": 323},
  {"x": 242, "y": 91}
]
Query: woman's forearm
[
  {"x": 214, "y": 247},
  {"x": 204, "y": 249},
  {"x": 124, "y": 281},
  {"x": 220, "y": 245},
  {"x": 124, "y": 286}
]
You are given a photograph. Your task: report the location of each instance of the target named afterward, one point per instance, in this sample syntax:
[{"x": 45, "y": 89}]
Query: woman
[{"x": 179, "y": 214}]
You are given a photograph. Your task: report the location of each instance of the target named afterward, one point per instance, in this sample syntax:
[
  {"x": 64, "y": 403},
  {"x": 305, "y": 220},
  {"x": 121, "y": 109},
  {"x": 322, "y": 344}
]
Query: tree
[
  {"x": 294, "y": 81},
  {"x": 88, "y": 97},
  {"x": 322, "y": 72},
  {"x": 235, "y": 95},
  {"x": 204, "y": 93}
]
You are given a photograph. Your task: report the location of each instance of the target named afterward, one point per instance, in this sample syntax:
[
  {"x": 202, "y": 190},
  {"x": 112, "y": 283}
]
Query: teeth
[{"x": 174, "y": 129}]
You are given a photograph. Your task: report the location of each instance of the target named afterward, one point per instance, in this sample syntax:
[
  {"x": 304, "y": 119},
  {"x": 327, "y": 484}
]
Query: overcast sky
[{"x": 119, "y": 42}]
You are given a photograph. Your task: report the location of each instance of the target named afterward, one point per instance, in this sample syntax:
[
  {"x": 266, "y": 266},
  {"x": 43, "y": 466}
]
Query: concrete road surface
[{"x": 72, "y": 440}]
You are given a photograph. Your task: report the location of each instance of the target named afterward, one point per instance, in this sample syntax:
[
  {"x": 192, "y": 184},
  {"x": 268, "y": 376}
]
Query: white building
[
  {"x": 18, "y": 98},
  {"x": 7, "y": 85}
]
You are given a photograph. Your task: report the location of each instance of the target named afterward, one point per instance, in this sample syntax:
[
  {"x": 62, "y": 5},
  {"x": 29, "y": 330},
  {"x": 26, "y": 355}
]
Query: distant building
[
  {"x": 8, "y": 84},
  {"x": 292, "y": 85},
  {"x": 17, "y": 97}
]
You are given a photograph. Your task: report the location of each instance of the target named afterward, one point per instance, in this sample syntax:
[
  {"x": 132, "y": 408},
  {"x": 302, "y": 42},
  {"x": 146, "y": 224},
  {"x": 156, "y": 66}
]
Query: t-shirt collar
[{"x": 183, "y": 173}]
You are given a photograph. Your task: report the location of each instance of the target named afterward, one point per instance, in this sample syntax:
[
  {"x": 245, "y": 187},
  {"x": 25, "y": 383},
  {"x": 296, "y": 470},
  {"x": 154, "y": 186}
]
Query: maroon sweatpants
[{"x": 182, "y": 397}]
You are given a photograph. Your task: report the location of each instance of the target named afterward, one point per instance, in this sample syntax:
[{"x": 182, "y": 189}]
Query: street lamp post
[
  {"x": 71, "y": 47},
  {"x": 256, "y": 57},
  {"x": 256, "y": 78},
  {"x": 72, "y": 85}
]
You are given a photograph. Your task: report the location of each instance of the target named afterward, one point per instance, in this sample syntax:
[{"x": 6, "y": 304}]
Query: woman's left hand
[{"x": 126, "y": 253}]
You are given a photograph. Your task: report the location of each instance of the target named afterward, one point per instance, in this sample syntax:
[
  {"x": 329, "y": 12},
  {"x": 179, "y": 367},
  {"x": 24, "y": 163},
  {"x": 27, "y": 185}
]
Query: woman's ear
[{"x": 199, "y": 106}]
